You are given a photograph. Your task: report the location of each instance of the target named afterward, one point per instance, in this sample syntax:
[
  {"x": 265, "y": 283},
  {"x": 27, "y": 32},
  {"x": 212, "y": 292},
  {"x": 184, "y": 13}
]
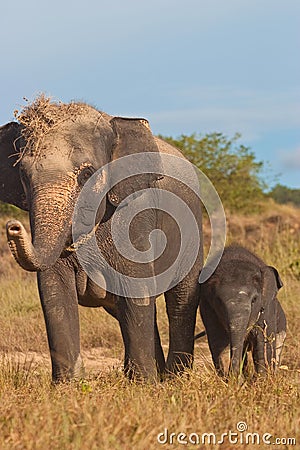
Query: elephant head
[{"x": 45, "y": 160}]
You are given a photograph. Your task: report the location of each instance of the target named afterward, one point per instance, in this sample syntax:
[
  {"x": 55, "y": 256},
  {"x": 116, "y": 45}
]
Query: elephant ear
[
  {"x": 271, "y": 284},
  {"x": 11, "y": 189},
  {"x": 133, "y": 136},
  {"x": 277, "y": 277}
]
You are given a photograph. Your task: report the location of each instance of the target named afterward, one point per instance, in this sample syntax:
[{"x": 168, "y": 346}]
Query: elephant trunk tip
[
  {"x": 27, "y": 254},
  {"x": 14, "y": 228},
  {"x": 21, "y": 246}
]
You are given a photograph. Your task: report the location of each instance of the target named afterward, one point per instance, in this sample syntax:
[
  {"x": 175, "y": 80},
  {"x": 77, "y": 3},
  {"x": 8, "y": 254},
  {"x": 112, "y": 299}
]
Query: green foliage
[
  {"x": 85, "y": 387},
  {"x": 11, "y": 210},
  {"x": 230, "y": 166},
  {"x": 282, "y": 194}
]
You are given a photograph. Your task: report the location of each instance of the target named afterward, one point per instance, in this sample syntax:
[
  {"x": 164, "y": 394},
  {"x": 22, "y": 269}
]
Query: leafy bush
[
  {"x": 230, "y": 166},
  {"x": 282, "y": 194}
]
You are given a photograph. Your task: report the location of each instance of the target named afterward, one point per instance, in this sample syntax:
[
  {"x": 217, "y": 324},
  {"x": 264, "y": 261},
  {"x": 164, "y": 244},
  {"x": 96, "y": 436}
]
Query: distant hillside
[{"x": 273, "y": 234}]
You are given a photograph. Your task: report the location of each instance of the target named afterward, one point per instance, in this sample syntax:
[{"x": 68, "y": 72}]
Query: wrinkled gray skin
[
  {"x": 239, "y": 309},
  {"x": 48, "y": 186}
]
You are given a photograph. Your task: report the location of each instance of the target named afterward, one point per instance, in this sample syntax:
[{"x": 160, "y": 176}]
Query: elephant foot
[
  {"x": 62, "y": 373},
  {"x": 179, "y": 362},
  {"x": 139, "y": 373}
]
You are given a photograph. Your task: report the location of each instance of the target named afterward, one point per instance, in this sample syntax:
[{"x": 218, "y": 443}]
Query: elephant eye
[
  {"x": 257, "y": 279},
  {"x": 254, "y": 299},
  {"x": 84, "y": 175}
]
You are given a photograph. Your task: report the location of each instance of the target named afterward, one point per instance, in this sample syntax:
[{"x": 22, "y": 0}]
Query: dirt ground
[{"x": 96, "y": 360}]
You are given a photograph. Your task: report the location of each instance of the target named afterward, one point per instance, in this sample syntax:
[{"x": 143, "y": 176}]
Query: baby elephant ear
[
  {"x": 271, "y": 284},
  {"x": 11, "y": 189},
  {"x": 277, "y": 277},
  {"x": 133, "y": 136}
]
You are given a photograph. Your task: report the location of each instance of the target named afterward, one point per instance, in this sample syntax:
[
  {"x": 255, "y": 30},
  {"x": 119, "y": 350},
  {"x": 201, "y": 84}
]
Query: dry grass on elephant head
[{"x": 43, "y": 115}]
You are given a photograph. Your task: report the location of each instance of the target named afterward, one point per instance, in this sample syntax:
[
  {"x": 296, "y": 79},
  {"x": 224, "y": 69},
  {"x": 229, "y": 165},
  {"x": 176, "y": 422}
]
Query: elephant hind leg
[
  {"x": 137, "y": 327},
  {"x": 181, "y": 304}
]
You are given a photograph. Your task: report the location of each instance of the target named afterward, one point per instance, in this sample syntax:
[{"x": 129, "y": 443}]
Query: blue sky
[{"x": 193, "y": 66}]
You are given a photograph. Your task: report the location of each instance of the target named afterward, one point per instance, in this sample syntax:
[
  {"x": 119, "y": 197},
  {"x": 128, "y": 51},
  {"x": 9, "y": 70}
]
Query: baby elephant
[{"x": 239, "y": 309}]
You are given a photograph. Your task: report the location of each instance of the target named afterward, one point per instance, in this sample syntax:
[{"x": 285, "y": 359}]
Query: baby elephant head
[{"x": 238, "y": 294}]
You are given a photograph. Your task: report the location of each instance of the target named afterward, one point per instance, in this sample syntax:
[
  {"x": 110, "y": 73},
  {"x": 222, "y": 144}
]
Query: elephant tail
[{"x": 199, "y": 335}]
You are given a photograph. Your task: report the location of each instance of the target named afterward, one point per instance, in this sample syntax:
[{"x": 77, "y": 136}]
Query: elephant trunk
[
  {"x": 21, "y": 246},
  {"x": 50, "y": 218},
  {"x": 238, "y": 326},
  {"x": 236, "y": 351},
  {"x": 29, "y": 256}
]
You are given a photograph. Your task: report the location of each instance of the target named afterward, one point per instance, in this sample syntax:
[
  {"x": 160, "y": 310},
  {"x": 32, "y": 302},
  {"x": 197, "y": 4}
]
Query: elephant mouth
[{"x": 72, "y": 246}]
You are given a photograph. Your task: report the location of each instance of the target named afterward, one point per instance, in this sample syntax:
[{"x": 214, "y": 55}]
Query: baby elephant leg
[
  {"x": 218, "y": 339},
  {"x": 264, "y": 350}
]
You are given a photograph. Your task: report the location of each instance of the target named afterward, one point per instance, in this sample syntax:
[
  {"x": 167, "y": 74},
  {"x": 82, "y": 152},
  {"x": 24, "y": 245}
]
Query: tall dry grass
[{"x": 106, "y": 411}]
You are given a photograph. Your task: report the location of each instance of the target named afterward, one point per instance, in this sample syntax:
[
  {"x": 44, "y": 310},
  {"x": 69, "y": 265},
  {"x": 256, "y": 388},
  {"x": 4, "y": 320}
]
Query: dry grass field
[{"x": 105, "y": 411}]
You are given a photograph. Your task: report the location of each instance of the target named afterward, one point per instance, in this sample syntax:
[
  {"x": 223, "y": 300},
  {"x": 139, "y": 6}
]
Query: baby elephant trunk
[{"x": 239, "y": 310}]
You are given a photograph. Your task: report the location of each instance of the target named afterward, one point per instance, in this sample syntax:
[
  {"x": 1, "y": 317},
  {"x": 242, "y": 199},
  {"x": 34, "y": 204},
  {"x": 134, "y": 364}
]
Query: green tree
[
  {"x": 230, "y": 166},
  {"x": 283, "y": 194}
]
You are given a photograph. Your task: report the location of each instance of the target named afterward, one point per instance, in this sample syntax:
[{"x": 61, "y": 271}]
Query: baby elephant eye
[
  {"x": 84, "y": 175},
  {"x": 254, "y": 298}
]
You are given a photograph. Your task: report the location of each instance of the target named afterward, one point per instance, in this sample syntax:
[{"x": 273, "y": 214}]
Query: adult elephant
[{"x": 45, "y": 160}]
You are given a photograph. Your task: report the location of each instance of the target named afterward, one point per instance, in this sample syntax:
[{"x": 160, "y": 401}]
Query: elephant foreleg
[
  {"x": 58, "y": 295},
  {"x": 218, "y": 339},
  {"x": 264, "y": 349}
]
